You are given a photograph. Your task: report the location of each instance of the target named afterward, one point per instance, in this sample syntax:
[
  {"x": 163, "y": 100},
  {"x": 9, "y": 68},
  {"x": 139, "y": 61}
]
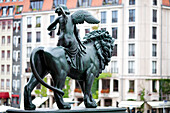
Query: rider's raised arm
[{"x": 52, "y": 26}]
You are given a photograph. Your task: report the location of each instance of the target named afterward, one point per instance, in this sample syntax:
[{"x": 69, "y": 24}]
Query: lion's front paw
[{"x": 30, "y": 107}]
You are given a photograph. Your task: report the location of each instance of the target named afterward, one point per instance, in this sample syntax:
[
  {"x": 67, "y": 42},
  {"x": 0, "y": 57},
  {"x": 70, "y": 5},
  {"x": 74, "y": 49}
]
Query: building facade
[{"x": 139, "y": 61}]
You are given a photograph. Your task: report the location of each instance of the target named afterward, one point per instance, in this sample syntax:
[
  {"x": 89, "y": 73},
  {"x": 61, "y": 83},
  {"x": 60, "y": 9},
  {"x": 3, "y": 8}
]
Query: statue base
[{"x": 74, "y": 110}]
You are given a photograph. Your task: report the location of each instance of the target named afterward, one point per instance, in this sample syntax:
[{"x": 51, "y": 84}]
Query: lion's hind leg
[{"x": 59, "y": 82}]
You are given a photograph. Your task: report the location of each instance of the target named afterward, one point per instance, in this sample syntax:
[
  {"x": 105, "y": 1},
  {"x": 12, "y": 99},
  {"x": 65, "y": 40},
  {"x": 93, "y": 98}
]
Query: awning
[
  {"x": 39, "y": 100},
  {"x": 4, "y": 95},
  {"x": 131, "y": 104},
  {"x": 15, "y": 96},
  {"x": 159, "y": 104}
]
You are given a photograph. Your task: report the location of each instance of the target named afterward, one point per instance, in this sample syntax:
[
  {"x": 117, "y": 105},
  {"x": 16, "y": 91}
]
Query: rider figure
[{"x": 63, "y": 12}]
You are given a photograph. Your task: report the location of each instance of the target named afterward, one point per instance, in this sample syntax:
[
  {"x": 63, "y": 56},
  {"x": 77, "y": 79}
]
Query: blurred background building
[{"x": 138, "y": 73}]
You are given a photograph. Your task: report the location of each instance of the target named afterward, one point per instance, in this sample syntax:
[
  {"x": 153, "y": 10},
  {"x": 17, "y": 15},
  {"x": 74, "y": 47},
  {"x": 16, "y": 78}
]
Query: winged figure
[{"x": 68, "y": 32}]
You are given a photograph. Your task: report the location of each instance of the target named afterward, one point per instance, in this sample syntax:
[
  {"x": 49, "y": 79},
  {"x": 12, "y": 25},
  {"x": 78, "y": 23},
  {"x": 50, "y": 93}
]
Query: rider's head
[{"x": 58, "y": 9}]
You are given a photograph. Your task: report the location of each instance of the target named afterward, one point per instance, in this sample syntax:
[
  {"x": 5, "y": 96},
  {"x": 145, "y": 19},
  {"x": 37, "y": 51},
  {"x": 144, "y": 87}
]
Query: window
[
  {"x": 154, "y": 15},
  {"x": 1, "y": 1},
  {"x": 2, "y": 83},
  {"x": 16, "y": 55},
  {"x": 9, "y": 24},
  {"x": 154, "y": 86},
  {"x": 19, "y": 9},
  {"x": 154, "y": 67},
  {"x": 52, "y": 17},
  {"x": 57, "y": 2},
  {"x": 84, "y": 3},
  {"x": 103, "y": 17},
  {"x": 15, "y": 70},
  {"x": 18, "y": 84},
  {"x": 8, "y": 69},
  {"x": 131, "y": 32},
  {"x": 29, "y": 25},
  {"x": 106, "y": 84},
  {"x": 8, "y": 54},
  {"x": 38, "y": 36},
  {"x": 131, "y": 2},
  {"x": 110, "y": 2},
  {"x": 131, "y": 85},
  {"x": 114, "y": 32},
  {"x": 114, "y": 53},
  {"x": 38, "y": 21},
  {"x": 2, "y": 69},
  {"x": 154, "y": 47},
  {"x": 7, "y": 0},
  {"x": 16, "y": 41},
  {"x": 131, "y": 49},
  {"x": 3, "y": 25},
  {"x": 154, "y": 2},
  {"x": 87, "y": 31},
  {"x": 29, "y": 37},
  {"x": 36, "y": 4},
  {"x": 132, "y": 15},
  {"x": 53, "y": 34},
  {"x": 131, "y": 66},
  {"x": 115, "y": 85},
  {"x": 3, "y": 54},
  {"x": 114, "y": 16},
  {"x": 7, "y": 83},
  {"x": 107, "y": 102},
  {"x": 4, "y": 11},
  {"x": 14, "y": 0},
  {"x": 114, "y": 67},
  {"x": 8, "y": 40},
  {"x": 3, "y": 40},
  {"x": 154, "y": 32},
  {"x": 29, "y": 52},
  {"x": 10, "y": 11}
]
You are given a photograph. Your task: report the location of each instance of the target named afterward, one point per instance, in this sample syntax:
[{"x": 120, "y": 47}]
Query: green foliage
[
  {"x": 104, "y": 75},
  {"x": 43, "y": 91},
  {"x": 131, "y": 100},
  {"x": 94, "y": 88},
  {"x": 67, "y": 89},
  {"x": 165, "y": 86},
  {"x": 142, "y": 95},
  {"x": 37, "y": 91}
]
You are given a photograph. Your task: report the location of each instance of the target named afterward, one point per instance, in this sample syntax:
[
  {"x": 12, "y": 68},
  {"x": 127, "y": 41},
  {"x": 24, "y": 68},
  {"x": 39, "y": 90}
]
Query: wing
[{"x": 80, "y": 16}]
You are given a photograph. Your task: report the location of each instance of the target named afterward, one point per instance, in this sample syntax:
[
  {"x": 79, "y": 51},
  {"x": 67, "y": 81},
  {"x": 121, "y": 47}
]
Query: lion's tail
[{"x": 37, "y": 76}]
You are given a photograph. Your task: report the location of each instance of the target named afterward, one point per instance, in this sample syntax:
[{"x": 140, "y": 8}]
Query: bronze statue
[{"x": 82, "y": 61}]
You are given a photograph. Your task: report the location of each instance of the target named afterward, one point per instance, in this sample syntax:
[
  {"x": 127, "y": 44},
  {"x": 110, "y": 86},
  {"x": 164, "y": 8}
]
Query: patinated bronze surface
[{"x": 82, "y": 61}]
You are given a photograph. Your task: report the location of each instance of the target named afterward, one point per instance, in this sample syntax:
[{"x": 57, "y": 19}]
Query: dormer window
[
  {"x": 36, "y": 4},
  {"x": 4, "y": 9},
  {"x": 57, "y": 2},
  {"x": 19, "y": 9},
  {"x": 84, "y": 3},
  {"x": 110, "y": 2}
]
